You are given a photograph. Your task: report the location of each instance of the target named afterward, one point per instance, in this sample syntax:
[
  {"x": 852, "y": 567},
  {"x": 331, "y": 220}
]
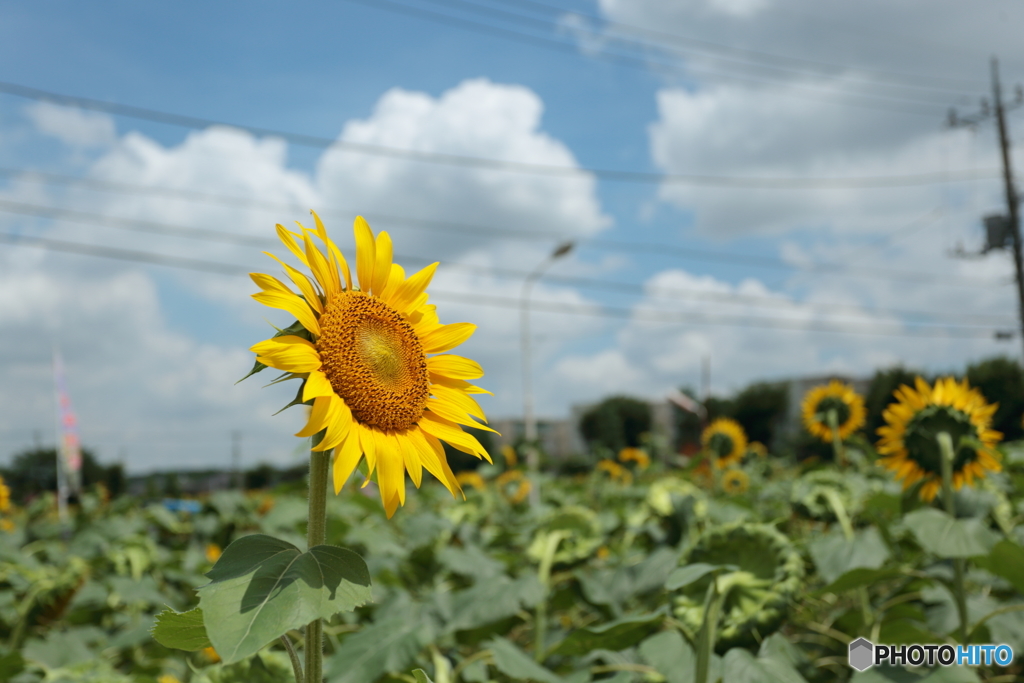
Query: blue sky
[{"x": 850, "y": 279}]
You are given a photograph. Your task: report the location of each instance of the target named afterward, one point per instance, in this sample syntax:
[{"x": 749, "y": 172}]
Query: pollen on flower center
[{"x": 374, "y": 361}]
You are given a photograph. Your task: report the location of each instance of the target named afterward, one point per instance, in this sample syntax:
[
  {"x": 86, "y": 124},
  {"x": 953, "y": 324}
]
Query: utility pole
[{"x": 996, "y": 238}]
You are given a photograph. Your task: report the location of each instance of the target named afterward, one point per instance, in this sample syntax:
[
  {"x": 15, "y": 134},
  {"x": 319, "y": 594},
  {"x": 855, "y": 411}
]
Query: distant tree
[
  {"x": 172, "y": 486},
  {"x": 260, "y": 477},
  {"x": 616, "y": 423},
  {"x": 880, "y": 395},
  {"x": 760, "y": 408},
  {"x": 1001, "y": 380},
  {"x": 34, "y": 470}
]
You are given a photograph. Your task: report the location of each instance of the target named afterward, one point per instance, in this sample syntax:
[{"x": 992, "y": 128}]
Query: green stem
[
  {"x": 540, "y": 622},
  {"x": 316, "y": 534},
  {"x": 836, "y": 503},
  {"x": 838, "y": 449},
  {"x": 294, "y": 657},
  {"x": 713, "y": 602},
  {"x": 960, "y": 593}
]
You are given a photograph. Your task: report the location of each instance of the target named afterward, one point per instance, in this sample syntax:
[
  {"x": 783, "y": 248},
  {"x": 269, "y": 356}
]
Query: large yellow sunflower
[
  {"x": 726, "y": 441},
  {"x": 365, "y": 355},
  {"x": 839, "y": 397},
  {"x": 908, "y": 439}
]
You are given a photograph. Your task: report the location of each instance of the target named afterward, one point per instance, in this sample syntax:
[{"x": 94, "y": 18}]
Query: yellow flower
[
  {"x": 469, "y": 478},
  {"x": 839, "y": 397},
  {"x": 265, "y": 506},
  {"x": 509, "y": 453},
  {"x": 213, "y": 552},
  {"x": 758, "y": 449},
  {"x": 735, "y": 482},
  {"x": 6, "y": 525},
  {"x": 908, "y": 439},
  {"x": 616, "y": 471},
  {"x": 168, "y": 678},
  {"x": 211, "y": 655},
  {"x": 521, "y": 490},
  {"x": 603, "y": 553},
  {"x": 726, "y": 441},
  {"x": 636, "y": 455},
  {"x": 5, "y": 496},
  {"x": 368, "y": 360}
]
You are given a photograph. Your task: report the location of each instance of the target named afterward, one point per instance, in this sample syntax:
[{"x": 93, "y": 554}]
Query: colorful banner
[{"x": 69, "y": 456}]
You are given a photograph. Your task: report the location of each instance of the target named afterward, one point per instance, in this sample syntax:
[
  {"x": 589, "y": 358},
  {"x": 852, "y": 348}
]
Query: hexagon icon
[{"x": 861, "y": 654}]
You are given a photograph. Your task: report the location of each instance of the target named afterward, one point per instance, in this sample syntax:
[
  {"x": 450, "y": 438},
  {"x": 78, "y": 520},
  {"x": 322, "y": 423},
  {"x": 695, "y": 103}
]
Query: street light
[{"x": 529, "y": 420}]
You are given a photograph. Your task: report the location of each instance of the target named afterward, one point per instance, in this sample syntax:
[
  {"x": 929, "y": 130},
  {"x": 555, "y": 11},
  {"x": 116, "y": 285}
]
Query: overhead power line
[
  {"x": 647, "y": 62},
  {"x": 138, "y": 225},
  {"x": 481, "y": 163},
  {"x": 918, "y": 329}
]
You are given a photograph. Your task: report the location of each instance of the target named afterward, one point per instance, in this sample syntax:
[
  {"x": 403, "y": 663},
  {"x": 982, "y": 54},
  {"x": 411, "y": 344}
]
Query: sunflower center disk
[
  {"x": 374, "y": 361},
  {"x": 837, "y": 404},
  {"x": 923, "y": 429}
]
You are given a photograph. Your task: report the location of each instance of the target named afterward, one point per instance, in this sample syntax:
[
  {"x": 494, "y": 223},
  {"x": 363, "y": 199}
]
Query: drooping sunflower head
[
  {"x": 840, "y": 399},
  {"x": 725, "y": 440},
  {"x": 616, "y": 472},
  {"x": 908, "y": 439},
  {"x": 471, "y": 479},
  {"x": 370, "y": 355},
  {"x": 735, "y": 482},
  {"x": 513, "y": 486}
]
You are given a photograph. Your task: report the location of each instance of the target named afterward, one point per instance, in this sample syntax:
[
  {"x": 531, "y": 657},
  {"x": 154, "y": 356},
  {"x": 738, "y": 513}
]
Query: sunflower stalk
[
  {"x": 713, "y": 602},
  {"x": 948, "y": 458},
  {"x": 540, "y": 622},
  {"x": 837, "y": 443},
  {"x": 316, "y": 534}
]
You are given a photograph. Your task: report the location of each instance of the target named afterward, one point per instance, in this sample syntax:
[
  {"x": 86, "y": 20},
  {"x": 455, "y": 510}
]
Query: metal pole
[{"x": 1011, "y": 192}]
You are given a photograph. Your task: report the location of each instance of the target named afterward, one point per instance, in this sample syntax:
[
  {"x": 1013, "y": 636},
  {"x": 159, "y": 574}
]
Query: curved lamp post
[{"x": 529, "y": 420}]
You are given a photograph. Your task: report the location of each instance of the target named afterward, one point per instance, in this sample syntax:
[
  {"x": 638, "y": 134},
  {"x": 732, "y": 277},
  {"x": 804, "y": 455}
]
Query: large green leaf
[
  {"x": 855, "y": 578},
  {"x": 263, "y": 587},
  {"x": 389, "y": 645},
  {"x": 1006, "y": 560},
  {"x": 491, "y": 600},
  {"x": 943, "y": 536},
  {"x": 673, "y": 657},
  {"x": 181, "y": 630},
  {"x": 421, "y": 676},
  {"x": 834, "y": 554},
  {"x": 684, "y": 576},
  {"x": 739, "y": 666},
  {"x": 614, "y": 635},
  {"x": 517, "y": 665}
]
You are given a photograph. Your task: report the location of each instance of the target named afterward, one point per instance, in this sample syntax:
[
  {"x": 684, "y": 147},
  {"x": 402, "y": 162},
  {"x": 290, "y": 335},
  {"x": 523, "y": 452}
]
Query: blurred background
[{"x": 755, "y": 191}]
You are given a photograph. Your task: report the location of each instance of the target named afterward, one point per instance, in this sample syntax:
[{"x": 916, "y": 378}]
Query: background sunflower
[
  {"x": 835, "y": 396},
  {"x": 908, "y": 439},
  {"x": 725, "y": 439}
]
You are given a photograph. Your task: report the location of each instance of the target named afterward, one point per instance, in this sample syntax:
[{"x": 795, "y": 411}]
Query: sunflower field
[{"x": 608, "y": 578}]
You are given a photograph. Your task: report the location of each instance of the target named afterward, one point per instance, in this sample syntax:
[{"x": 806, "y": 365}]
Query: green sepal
[
  {"x": 181, "y": 630},
  {"x": 297, "y": 400}
]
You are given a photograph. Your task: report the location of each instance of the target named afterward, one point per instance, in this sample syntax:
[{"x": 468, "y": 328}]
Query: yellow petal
[
  {"x": 382, "y": 264},
  {"x": 447, "y": 337},
  {"x": 390, "y": 468},
  {"x": 321, "y": 270},
  {"x": 442, "y": 459},
  {"x": 411, "y": 458},
  {"x": 427, "y": 456},
  {"x": 443, "y": 429},
  {"x": 294, "y": 305},
  {"x": 457, "y": 384},
  {"x": 368, "y": 445},
  {"x": 454, "y": 414},
  {"x": 346, "y": 457},
  {"x": 338, "y": 259},
  {"x": 300, "y": 278},
  {"x": 288, "y": 238},
  {"x": 396, "y": 278},
  {"x": 317, "y": 417},
  {"x": 458, "y": 399},
  {"x": 288, "y": 353},
  {"x": 366, "y": 253},
  {"x": 391, "y": 505},
  {"x": 408, "y": 292},
  {"x": 455, "y": 367},
  {"x": 339, "y": 424},
  {"x": 316, "y": 385},
  {"x": 269, "y": 283}
]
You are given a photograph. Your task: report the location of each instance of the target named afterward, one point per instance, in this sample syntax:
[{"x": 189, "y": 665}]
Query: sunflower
[
  {"x": 735, "y": 482},
  {"x": 725, "y": 439},
  {"x": 365, "y": 357},
  {"x": 757, "y": 449},
  {"x": 636, "y": 455},
  {"x": 908, "y": 439},
  {"x": 834, "y": 396},
  {"x": 616, "y": 472},
  {"x": 470, "y": 478},
  {"x": 522, "y": 486}
]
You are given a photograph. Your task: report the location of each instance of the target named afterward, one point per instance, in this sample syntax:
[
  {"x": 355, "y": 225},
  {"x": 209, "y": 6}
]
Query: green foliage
[
  {"x": 760, "y": 408},
  {"x": 1001, "y": 380},
  {"x": 34, "y": 471},
  {"x": 616, "y": 423},
  {"x": 181, "y": 630}
]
